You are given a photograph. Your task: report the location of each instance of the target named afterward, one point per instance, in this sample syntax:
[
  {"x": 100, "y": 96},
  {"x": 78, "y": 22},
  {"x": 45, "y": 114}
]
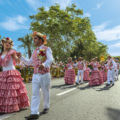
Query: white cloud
[
  {"x": 116, "y": 45},
  {"x": 34, "y": 3},
  {"x": 14, "y": 23},
  {"x": 114, "y": 53},
  {"x": 87, "y": 15},
  {"x": 100, "y": 27},
  {"x": 20, "y": 19},
  {"x": 38, "y": 3},
  {"x": 104, "y": 34},
  {"x": 99, "y": 5},
  {"x": 63, "y": 3}
]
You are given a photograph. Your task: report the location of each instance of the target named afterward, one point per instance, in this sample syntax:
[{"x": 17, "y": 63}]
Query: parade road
[{"x": 71, "y": 102}]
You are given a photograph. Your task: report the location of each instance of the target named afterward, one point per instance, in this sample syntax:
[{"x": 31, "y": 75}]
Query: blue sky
[{"x": 103, "y": 14}]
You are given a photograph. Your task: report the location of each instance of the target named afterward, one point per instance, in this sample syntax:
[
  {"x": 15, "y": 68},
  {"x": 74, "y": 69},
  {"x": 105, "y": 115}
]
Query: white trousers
[
  {"x": 110, "y": 76},
  {"x": 80, "y": 74},
  {"x": 42, "y": 82},
  {"x": 116, "y": 73}
]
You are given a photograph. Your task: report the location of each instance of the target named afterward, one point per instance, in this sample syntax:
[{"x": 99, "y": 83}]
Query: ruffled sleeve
[
  {"x": 11, "y": 52},
  {"x": 8, "y": 57}
]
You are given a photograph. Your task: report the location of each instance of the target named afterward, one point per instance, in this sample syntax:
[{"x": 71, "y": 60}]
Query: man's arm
[
  {"x": 26, "y": 61},
  {"x": 49, "y": 59}
]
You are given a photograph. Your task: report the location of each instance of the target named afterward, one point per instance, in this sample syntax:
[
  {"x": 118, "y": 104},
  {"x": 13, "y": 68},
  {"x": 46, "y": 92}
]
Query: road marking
[
  {"x": 65, "y": 92},
  {"x": 4, "y": 117}
]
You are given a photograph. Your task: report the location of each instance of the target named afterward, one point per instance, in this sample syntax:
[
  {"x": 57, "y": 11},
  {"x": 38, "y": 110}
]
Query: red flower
[
  {"x": 42, "y": 53},
  {"x": 34, "y": 33},
  {"x": 7, "y": 38},
  {"x": 44, "y": 37}
]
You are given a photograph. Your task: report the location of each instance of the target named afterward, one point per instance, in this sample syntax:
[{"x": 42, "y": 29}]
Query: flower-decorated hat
[
  {"x": 35, "y": 33},
  {"x": 80, "y": 58},
  {"x": 7, "y": 40}
]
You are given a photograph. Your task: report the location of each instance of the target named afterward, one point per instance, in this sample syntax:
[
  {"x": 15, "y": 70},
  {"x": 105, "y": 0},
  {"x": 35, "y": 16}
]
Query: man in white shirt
[
  {"x": 118, "y": 67},
  {"x": 111, "y": 66},
  {"x": 41, "y": 60}
]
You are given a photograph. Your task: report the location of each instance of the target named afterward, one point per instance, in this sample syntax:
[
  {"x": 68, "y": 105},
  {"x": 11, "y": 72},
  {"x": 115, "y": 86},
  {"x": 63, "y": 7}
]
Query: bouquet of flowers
[
  {"x": 111, "y": 65},
  {"x": 41, "y": 55}
]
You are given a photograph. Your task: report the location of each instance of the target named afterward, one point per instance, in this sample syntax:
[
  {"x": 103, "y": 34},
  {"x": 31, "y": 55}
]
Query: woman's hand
[
  {"x": 16, "y": 58},
  {"x": 18, "y": 54}
]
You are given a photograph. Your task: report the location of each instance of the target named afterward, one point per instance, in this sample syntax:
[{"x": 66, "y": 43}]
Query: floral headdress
[
  {"x": 35, "y": 33},
  {"x": 7, "y": 40}
]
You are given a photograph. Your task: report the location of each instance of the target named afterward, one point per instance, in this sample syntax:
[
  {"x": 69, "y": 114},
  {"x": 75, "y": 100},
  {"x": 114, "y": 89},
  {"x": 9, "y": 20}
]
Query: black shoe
[
  {"x": 32, "y": 116},
  {"x": 77, "y": 83},
  {"x": 46, "y": 110},
  {"x": 112, "y": 84},
  {"x": 107, "y": 84}
]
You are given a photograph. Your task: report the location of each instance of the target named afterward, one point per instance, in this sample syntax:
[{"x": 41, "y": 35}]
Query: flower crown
[{"x": 7, "y": 39}]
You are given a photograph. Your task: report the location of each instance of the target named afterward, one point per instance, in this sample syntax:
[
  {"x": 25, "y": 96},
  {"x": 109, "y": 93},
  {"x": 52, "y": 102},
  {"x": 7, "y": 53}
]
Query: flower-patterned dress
[
  {"x": 96, "y": 76},
  {"x": 104, "y": 72},
  {"x": 69, "y": 76},
  {"x": 86, "y": 74},
  {"x": 13, "y": 94}
]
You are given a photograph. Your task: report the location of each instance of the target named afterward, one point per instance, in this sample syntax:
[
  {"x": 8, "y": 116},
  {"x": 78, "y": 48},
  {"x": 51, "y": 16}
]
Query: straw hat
[{"x": 35, "y": 33}]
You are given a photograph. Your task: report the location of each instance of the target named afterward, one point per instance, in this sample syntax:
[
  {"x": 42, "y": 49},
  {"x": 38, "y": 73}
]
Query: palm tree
[{"x": 27, "y": 43}]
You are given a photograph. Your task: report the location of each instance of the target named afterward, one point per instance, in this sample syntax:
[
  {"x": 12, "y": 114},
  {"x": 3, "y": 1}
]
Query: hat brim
[
  {"x": 45, "y": 41},
  {"x": 4, "y": 40}
]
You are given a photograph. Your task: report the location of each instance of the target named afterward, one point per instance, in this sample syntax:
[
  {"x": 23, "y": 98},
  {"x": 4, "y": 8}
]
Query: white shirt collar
[{"x": 41, "y": 46}]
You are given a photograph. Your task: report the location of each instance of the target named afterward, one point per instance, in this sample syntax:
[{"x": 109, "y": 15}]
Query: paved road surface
[{"x": 71, "y": 102}]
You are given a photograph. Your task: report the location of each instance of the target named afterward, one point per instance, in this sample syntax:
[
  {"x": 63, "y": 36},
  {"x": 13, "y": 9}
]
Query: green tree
[
  {"x": 27, "y": 44},
  {"x": 68, "y": 32}
]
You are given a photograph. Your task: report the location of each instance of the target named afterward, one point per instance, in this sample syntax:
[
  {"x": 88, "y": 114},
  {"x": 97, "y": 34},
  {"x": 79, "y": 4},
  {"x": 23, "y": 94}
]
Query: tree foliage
[
  {"x": 27, "y": 44},
  {"x": 68, "y": 32}
]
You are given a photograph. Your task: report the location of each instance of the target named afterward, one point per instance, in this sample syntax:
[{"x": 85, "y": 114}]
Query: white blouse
[{"x": 10, "y": 65}]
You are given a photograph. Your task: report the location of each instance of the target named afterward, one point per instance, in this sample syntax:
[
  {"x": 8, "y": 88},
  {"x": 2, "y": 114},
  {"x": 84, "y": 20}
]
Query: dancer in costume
[
  {"x": 81, "y": 67},
  {"x": 86, "y": 72},
  {"x": 13, "y": 94},
  {"x": 117, "y": 70},
  {"x": 69, "y": 76},
  {"x": 41, "y": 60},
  {"x": 96, "y": 76},
  {"x": 104, "y": 71},
  {"x": 111, "y": 66}
]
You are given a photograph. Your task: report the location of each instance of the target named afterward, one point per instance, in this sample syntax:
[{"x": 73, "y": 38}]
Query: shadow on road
[
  {"x": 85, "y": 87},
  {"x": 114, "y": 114},
  {"x": 104, "y": 88},
  {"x": 63, "y": 86},
  {"x": 2, "y": 114},
  {"x": 88, "y": 87}
]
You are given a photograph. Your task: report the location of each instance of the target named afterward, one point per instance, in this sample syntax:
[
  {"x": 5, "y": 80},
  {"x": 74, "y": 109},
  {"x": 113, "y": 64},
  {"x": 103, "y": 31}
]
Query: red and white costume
[
  {"x": 13, "y": 94},
  {"x": 81, "y": 67},
  {"x": 117, "y": 70},
  {"x": 86, "y": 73},
  {"x": 69, "y": 74},
  {"x": 96, "y": 76},
  {"x": 104, "y": 72},
  {"x": 111, "y": 66},
  {"x": 41, "y": 78}
]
